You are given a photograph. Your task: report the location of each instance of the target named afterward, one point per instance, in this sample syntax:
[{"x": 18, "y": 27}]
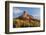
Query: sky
[{"x": 18, "y": 11}]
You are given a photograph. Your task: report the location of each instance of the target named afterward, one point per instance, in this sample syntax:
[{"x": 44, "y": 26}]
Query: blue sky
[{"x": 18, "y": 11}]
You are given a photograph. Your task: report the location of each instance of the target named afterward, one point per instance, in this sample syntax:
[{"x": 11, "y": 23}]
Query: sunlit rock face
[{"x": 26, "y": 15}]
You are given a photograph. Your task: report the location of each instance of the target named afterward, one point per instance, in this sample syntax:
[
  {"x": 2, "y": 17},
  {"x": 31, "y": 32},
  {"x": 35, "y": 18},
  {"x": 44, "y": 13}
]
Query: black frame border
[{"x": 7, "y": 16}]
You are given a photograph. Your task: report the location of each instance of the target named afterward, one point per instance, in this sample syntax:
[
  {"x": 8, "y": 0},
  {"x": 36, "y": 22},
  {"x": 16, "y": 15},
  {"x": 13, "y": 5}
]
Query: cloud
[
  {"x": 17, "y": 10},
  {"x": 36, "y": 16}
]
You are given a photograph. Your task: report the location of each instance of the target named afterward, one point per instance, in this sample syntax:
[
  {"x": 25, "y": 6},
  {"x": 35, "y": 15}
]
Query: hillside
[{"x": 25, "y": 20}]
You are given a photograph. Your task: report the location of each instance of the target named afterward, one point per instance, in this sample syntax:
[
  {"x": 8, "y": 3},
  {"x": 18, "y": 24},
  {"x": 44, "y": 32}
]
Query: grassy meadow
[{"x": 18, "y": 23}]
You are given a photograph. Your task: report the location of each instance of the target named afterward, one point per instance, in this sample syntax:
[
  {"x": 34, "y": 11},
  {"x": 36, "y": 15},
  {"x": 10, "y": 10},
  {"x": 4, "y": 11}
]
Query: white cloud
[
  {"x": 17, "y": 10},
  {"x": 36, "y": 16}
]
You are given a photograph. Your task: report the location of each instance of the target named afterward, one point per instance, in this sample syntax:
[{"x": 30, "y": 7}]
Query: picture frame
[{"x": 9, "y": 8}]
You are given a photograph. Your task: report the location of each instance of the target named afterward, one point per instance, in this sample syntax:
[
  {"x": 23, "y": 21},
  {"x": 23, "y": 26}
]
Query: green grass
[{"x": 18, "y": 23}]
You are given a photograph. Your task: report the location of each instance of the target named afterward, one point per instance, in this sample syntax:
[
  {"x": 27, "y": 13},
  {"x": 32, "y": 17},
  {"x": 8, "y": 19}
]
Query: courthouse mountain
[{"x": 25, "y": 20}]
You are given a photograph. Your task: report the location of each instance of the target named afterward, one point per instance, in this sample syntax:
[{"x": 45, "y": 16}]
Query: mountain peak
[{"x": 25, "y": 13}]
